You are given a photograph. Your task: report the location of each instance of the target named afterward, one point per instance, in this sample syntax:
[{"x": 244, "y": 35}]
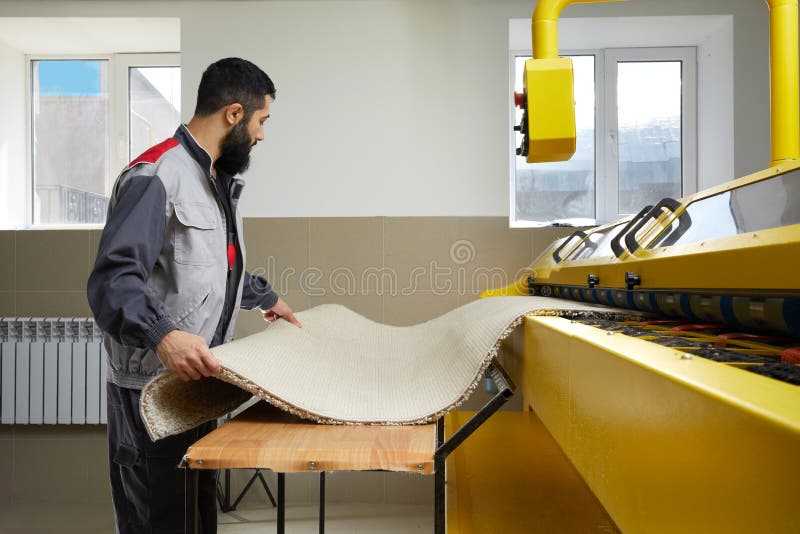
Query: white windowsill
[{"x": 55, "y": 227}]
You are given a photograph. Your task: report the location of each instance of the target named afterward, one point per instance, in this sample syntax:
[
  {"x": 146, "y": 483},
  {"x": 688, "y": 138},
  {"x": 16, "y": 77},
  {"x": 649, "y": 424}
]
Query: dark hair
[{"x": 232, "y": 80}]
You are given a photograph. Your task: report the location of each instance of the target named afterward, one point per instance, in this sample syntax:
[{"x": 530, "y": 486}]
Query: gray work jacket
[{"x": 169, "y": 258}]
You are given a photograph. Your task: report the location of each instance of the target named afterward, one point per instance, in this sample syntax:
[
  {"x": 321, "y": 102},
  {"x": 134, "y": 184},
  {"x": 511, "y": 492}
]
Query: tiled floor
[
  {"x": 300, "y": 519},
  {"x": 56, "y": 518},
  {"x": 339, "y": 518}
]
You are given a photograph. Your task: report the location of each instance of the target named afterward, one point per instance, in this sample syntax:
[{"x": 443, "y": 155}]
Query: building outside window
[{"x": 89, "y": 116}]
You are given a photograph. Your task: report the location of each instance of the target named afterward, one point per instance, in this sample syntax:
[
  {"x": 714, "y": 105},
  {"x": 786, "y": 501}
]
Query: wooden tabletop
[{"x": 268, "y": 438}]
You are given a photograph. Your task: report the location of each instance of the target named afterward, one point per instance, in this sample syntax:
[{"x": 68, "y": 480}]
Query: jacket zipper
[{"x": 225, "y": 319}]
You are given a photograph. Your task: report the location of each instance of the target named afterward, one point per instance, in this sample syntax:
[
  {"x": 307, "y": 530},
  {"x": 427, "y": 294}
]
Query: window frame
[
  {"x": 125, "y": 62},
  {"x": 606, "y": 164},
  {"x": 118, "y": 117},
  {"x": 688, "y": 57}
]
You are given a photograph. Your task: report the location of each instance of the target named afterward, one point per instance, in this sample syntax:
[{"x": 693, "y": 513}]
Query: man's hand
[
  {"x": 281, "y": 310},
  {"x": 187, "y": 355}
]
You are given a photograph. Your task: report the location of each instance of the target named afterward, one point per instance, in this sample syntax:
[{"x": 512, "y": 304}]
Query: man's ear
[{"x": 234, "y": 113}]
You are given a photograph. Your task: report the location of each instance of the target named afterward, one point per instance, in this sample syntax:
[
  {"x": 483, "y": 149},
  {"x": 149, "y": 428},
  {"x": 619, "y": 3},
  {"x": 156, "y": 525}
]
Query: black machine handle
[
  {"x": 577, "y": 233},
  {"x": 684, "y": 222},
  {"x": 616, "y": 243},
  {"x": 665, "y": 203}
]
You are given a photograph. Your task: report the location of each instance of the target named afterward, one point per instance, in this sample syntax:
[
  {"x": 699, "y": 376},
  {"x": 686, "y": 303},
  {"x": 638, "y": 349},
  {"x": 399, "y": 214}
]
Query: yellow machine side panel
[
  {"x": 510, "y": 477},
  {"x": 666, "y": 444}
]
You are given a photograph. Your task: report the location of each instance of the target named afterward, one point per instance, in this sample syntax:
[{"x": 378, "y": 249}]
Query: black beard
[{"x": 235, "y": 151}]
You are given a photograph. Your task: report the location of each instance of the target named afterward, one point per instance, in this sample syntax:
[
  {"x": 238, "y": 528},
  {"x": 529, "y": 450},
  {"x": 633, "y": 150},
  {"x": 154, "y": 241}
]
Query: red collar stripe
[{"x": 152, "y": 154}]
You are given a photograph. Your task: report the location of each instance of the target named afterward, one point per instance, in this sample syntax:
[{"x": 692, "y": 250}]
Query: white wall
[
  {"x": 399, "y": 107},
  {"x": 91, "y": 35},
  {"x": 383, "y": 108},
  {"x": 12, "y": 135}
]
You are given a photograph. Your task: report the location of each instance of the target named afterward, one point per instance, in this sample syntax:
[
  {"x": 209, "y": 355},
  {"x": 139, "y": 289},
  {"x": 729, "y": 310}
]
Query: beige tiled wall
[
  {"x": 54, "y": 465},
  {"x": 427, "y": 266},
  {"x": 399, "y": 270},
  {"x": 44, "y": 272}
]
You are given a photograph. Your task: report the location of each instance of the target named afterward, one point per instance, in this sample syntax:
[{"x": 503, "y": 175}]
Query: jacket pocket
[
  {"x": 195, "y": 235},
  {"x": 191, "y": 307}
]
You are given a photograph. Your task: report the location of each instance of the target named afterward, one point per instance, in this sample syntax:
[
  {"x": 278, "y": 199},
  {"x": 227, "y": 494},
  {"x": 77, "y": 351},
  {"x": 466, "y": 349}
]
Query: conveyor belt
[
  {"x": 777, "y": 314},
  {"x": 755, "y": 353}
]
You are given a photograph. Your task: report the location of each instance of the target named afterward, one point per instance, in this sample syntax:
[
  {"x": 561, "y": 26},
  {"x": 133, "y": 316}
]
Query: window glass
[
  {"x": 649, "y": 132},
  {"x": 565, "y": 190},
  {"x": 70, "y": 137},
  {"x": 154, "y": 106}
]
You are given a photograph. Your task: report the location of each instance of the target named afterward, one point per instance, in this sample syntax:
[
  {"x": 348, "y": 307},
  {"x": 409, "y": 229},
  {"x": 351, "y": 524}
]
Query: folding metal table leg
[
  {"x": 224, "y": 496},
  {"x": 224, "y": 490},
  {"x": 281, "y": 502},
  {"x": 322, "y": 502},
  {"x": 227, "y": 489},
  {"x": 256, "y": 476},
  {"x": 439, "y": 482},
  {"x": 191, "y": 521}
]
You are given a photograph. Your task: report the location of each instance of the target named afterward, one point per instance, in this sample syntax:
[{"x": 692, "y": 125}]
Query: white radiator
[{"x": 52, "y": 371}]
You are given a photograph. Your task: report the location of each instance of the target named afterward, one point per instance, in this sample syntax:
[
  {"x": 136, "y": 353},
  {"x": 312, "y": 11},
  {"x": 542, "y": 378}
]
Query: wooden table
[{"x": 264, "y": 437}]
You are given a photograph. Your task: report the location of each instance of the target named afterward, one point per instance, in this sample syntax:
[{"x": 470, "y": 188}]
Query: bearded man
[{"x": 169, "y": 280}]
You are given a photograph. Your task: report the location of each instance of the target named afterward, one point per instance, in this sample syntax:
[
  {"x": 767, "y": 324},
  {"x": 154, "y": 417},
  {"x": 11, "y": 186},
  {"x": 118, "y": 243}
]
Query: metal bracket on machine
[{"x": 505, "y": 390}]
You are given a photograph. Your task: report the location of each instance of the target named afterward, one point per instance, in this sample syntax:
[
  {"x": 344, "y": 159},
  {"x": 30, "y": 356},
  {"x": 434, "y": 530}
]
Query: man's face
[{"x": 236, "y": 145}]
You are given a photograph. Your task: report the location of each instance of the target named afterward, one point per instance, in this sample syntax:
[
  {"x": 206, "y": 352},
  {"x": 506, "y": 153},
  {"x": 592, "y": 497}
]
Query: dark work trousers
[{"x": 147, "y": 486}]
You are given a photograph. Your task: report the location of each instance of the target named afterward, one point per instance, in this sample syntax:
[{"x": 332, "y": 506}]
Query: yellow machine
[
  {"x": 687, "y": 420},
  {"x": 702, "y": 258}
]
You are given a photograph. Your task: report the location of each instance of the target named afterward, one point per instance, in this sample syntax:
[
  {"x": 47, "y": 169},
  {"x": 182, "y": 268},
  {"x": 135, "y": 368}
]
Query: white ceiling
[{"x": 83, "y": 35}]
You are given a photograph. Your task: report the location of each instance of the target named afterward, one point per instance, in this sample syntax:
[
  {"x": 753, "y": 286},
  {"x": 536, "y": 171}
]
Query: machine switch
[{"x": 632, "y": 280}]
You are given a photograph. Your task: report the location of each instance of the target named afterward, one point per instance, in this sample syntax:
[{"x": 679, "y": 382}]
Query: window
[
  {"x": 89, "y": 116},
  {"x": 635, "y": 115},
  {"x": 70, "y": 138}
]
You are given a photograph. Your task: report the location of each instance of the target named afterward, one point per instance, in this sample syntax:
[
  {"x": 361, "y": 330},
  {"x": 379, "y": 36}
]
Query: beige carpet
[{"x": 344, "y": 368}]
